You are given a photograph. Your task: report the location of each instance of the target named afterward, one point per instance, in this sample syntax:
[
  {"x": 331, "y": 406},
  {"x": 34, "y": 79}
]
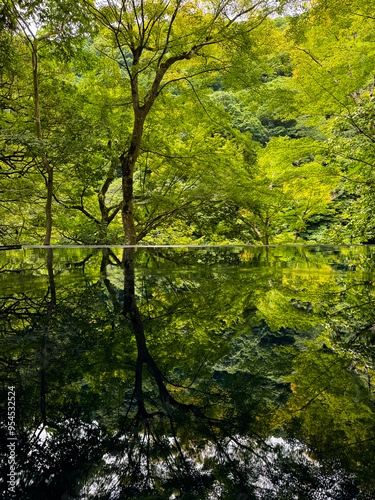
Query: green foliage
[
  {"x": 352, "y": 149},
  {"x": 264, "y": 138}
]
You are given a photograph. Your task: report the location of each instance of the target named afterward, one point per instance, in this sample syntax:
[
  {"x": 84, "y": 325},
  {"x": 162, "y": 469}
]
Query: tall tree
[
  {"x": 37, "y": 25},
  {"x": 163, "y": 42}
]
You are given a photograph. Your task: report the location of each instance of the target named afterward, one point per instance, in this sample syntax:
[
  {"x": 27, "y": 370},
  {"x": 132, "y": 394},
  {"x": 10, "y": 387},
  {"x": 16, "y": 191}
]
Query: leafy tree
[
  {"x": 170, "y": 43},
  {"x": 54, "y": 22},
  {"x": 280, "y": 190}
]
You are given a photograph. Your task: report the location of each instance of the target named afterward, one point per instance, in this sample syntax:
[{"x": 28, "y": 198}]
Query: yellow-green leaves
[{"x": 333, "y": 52}]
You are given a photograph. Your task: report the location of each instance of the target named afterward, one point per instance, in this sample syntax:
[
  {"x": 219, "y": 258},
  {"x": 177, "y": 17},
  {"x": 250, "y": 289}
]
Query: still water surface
[{"x": 216, "y": 373}]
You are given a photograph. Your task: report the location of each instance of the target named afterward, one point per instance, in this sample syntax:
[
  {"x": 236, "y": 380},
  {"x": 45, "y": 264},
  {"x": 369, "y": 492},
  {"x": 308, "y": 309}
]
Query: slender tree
[
  {"x": 36, "y": 25},
  {"x": 163, "y": 42}
]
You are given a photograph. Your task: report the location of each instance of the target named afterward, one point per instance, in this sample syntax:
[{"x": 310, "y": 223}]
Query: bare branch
[{"x": 174, "y": 15}]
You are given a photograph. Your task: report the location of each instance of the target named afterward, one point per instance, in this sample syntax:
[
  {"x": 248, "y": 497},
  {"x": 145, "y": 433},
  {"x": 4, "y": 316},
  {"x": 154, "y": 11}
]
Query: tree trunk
[
  {"x": 129, "y": 158},
  {"x": 266, "y": 233},
  {"x": 128, "y": 161},
  {"x": 104, "y": 220},
  {"x": 47, "y": 167},
  {"x": 47, "y": 239},
  {"x": 104, "y": 209}
]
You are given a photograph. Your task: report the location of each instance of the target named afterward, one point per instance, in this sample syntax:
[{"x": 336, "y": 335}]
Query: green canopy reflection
[{"x": 232, "y": 373}]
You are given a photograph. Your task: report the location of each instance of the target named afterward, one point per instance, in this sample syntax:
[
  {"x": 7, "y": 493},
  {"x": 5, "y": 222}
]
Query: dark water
[{"x": 231, "y": 373}]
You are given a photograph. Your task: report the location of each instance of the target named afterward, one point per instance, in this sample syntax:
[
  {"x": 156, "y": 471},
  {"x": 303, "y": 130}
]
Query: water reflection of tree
[
  {"x": 180, "y": 405},
  {"x": 332, "y": 408}
]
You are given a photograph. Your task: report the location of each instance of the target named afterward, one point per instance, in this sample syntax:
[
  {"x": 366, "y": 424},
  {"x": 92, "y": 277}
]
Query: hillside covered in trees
[{"x": 176, "y": 121}]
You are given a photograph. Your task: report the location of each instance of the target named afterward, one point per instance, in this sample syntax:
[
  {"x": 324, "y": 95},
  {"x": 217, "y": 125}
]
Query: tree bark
[
  {"x": 104, "y": 210},
  {"x": 47, "y": 167},
  {"x": 47, "y": 239},
  {"x": 266, "y": 234},
  {"x": 128, "y": 161}
]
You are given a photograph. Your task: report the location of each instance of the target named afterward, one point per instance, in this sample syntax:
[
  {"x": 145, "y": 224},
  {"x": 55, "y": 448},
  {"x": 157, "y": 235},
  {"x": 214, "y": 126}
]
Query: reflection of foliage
[
  {"x": 169, "y": 373},
  {"x": 332, "y": 409}
]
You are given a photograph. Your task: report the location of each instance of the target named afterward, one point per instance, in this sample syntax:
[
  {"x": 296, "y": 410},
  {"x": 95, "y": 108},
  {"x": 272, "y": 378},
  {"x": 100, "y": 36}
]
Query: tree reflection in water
[{"x": 215, "y": 374}]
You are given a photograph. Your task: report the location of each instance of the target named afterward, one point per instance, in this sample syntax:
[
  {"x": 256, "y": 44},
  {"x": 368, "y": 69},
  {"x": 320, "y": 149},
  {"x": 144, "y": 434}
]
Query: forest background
[{"x": 187, "y": 122}]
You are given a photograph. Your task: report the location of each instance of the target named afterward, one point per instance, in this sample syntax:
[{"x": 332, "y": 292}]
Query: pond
[{"x": 193, "y": 373}]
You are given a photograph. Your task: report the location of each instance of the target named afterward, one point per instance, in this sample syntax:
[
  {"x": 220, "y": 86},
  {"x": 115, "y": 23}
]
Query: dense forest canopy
[{"x": 155, "y": 121}]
